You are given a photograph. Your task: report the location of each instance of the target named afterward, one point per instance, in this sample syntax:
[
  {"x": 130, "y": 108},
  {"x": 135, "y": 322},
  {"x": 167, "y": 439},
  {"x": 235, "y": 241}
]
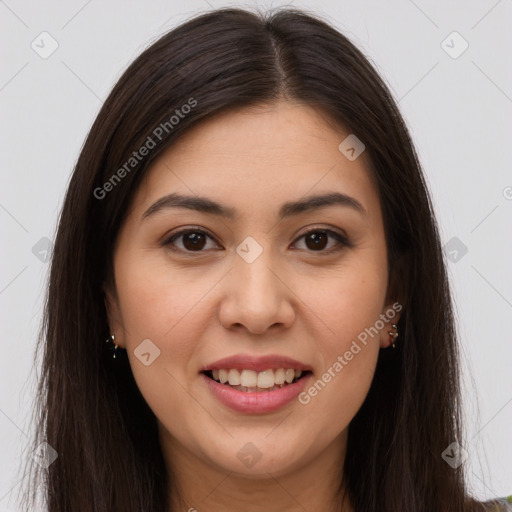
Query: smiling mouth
[{"x": 251, "y": 381}]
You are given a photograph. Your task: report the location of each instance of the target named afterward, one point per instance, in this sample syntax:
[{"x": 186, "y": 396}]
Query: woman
[{"x": 249, "y": 230}]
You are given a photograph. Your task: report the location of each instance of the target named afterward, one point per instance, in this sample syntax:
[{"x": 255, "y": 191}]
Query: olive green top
[{"x": 499, "y": 505}]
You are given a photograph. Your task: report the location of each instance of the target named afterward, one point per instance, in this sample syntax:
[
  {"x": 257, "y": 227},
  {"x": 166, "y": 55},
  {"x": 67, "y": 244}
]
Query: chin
[{"x": 256, "y": 459}]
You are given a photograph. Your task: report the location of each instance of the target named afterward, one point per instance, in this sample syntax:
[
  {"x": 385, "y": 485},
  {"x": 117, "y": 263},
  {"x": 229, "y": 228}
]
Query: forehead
[{"x": 250, "y": 157}]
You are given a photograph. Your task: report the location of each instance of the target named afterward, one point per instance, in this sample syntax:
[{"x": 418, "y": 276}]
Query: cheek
[
  {"x": 164, "y": 306},
  {"x": 334, "y": 397},
  {"x": 350, "y": 306},
  {"x": 349, "y": 358},
  {"x": 349, "y": 301},
  {"x": 157, "y": 299}
]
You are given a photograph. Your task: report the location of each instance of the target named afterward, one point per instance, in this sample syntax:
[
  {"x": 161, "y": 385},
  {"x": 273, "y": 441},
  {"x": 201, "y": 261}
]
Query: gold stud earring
[
  {"x": 112, "y": 345},
  {"x": 393, "y": 335}
]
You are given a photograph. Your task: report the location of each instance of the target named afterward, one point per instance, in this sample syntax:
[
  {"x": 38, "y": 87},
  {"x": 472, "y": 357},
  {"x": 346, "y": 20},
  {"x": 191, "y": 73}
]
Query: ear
[
  {"x": 113, "y": 314},
  {"x": 395, "y": 302}
]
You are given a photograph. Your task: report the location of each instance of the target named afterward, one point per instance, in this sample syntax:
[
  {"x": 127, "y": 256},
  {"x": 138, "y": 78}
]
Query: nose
[{"x": 257, "y": 296}]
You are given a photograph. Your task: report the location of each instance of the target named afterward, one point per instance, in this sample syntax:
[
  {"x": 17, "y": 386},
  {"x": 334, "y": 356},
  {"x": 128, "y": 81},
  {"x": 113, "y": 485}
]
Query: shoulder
[{"x": 499, "y": 505}]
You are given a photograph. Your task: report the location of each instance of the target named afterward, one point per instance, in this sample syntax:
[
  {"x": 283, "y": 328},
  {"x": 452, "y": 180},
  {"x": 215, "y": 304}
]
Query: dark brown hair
[{"x": 89, "y": 408}]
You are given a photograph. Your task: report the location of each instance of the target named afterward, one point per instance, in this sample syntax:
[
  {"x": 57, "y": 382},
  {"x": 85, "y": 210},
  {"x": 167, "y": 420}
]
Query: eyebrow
[{"x": 289, "y": 209}]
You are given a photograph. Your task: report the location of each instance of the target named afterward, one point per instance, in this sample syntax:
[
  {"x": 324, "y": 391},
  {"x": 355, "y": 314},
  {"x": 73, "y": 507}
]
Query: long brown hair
[{"x": 89, "y": 408}]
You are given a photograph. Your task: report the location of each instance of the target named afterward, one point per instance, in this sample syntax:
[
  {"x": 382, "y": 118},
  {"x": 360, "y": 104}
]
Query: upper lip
[{"x": 256, "y": 363}]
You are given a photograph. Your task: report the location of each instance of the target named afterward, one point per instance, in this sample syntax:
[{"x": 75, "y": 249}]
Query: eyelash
[{"x": 342, "y": 240}]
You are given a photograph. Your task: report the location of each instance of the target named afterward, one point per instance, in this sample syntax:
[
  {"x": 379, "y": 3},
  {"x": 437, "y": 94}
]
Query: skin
[{"x": 295, "y": 300}]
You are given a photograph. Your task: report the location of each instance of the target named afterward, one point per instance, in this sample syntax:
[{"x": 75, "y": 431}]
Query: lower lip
[{"x": 258, "y": 401}]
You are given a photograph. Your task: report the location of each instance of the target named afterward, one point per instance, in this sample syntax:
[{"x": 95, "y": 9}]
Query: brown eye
[
  {"x": 192, "y": 240},
  {"x": 317, "y": 240}
]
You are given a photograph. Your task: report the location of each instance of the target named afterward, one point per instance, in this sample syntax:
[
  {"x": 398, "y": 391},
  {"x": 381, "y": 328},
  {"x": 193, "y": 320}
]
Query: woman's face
[{"x": 226, "y": 268}]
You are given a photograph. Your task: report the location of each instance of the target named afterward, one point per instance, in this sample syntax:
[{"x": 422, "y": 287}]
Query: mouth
[
  {"x": 250, "y": 381},
  {"x": 256, "y": 384}
]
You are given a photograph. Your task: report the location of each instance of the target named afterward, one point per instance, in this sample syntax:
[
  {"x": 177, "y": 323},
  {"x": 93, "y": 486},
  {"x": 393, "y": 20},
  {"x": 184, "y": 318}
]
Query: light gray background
[{"x": 458, "y": 109}]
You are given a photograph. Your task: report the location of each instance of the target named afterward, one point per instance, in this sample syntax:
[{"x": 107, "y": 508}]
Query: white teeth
[
  {"x": 279, "y": 376},
  {"x": 250, "y": 380},
  {"x": 266, "y": 379},
  {"x": 234, "y": 377}
]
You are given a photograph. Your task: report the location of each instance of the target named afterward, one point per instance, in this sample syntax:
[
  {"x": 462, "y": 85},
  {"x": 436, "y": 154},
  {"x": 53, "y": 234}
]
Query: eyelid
[{"x": 331, "y": 230}]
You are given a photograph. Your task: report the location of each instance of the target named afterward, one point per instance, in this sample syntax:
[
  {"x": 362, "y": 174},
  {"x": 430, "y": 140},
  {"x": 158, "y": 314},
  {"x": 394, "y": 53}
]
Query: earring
[
  {"x": 394, "y": 335},
  {"x": 112, "y": 346}
]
